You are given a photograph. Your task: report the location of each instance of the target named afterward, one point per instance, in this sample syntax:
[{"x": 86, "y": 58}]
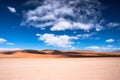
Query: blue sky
[{"x": 61, "y": 25}]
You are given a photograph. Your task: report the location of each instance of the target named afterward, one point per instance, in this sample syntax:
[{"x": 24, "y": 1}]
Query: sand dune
[{"x": 55, "y": 54}]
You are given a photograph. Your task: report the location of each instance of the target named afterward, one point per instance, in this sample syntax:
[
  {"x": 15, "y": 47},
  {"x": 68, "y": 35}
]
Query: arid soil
[{"x": 102, "y": 68}]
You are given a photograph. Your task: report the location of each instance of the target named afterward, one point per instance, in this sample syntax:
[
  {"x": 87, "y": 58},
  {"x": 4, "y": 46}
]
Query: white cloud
[
  {"x": 62, "y": 25},
  {"x": 38, "y": 34},
  {"x": 110, "y": 40},
  {"x": 50, "y": 13},
  {"x": 102, "y": 48},
  {"x": 82, "y": 26},
  {"x": 9, "y": 43},
  {"x": 32, "y": 3},
  {"x": 68, "y": 25},
  {"x": 84, "y": 36},
  {"x": 73, "y": 48},
  {"x": 10, "y": 48},
  {"x": 57, "y": 40},
  {"x": 2, "y": 40},
  {"x": 12, "y": 9},
  {"x": 99, "y": 27},
  {"x": 97, "y": 38},
  {"x": 111, "y": 24}
]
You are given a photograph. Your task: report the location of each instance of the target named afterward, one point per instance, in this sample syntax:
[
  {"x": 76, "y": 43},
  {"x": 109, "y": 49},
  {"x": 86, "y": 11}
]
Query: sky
[{"x": 60, "y": 25}]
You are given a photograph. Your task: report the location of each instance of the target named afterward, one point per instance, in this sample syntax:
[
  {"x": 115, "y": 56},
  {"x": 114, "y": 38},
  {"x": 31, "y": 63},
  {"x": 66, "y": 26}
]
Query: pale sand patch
[{"x": 60, "y": 69}]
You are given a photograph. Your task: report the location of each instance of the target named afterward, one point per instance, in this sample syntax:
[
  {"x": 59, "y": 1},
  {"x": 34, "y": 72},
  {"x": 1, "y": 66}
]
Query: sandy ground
[{"x": 60, "y": 69}]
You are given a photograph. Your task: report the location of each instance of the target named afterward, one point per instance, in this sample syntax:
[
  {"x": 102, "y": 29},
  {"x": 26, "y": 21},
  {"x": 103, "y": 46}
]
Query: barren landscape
[
  {"x": 55, "y": 54},
  {"x": 59, "y": 65},
  {"x": 59, "y": 69},
  {"x": 59, "y": 39}
]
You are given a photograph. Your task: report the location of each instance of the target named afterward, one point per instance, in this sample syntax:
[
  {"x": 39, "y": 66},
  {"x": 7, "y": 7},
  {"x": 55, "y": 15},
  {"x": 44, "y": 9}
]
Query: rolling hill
[{"x": 55, "y": 54}]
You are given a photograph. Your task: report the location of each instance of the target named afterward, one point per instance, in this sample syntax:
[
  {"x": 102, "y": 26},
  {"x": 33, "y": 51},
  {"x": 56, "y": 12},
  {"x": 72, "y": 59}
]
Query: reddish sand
[
  {"x": 60, "y": 69},
  {"x": 55, "y": 54}
]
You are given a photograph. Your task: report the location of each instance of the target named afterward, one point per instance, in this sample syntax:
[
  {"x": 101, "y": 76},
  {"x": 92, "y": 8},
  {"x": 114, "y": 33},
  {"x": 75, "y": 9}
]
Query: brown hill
[
  {"x": 55, "y": 54},
  {"x": 117, "y": 51}
]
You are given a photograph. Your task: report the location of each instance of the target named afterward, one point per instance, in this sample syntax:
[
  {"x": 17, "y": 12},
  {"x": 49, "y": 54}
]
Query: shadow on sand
[{"x": 70, "y": 54}]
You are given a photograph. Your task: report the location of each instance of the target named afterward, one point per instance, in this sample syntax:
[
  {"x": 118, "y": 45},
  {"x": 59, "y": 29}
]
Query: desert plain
[{"x": 74, "y": 66}]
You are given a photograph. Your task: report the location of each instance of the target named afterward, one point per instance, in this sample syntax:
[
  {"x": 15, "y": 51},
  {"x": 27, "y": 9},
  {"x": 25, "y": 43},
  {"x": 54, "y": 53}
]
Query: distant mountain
[{"x": 55, "y": 54}]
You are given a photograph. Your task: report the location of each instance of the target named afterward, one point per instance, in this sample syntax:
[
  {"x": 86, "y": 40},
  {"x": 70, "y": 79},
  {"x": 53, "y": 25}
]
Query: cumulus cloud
[
  {"x": 60, "y": 15},
  {"x": 84, "y": 36},
  {"x": 102, "y": 48},
  {"x": 63, "y": 41},
  {"x": 11, "y": 9},
  {"x": 62, "y": 25},
  {"x": 110, "y": 40},
  {"x": 2, "y": 40},
  {"x": 82, "y": 26},
  {"x": 111, "y": 24}
]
